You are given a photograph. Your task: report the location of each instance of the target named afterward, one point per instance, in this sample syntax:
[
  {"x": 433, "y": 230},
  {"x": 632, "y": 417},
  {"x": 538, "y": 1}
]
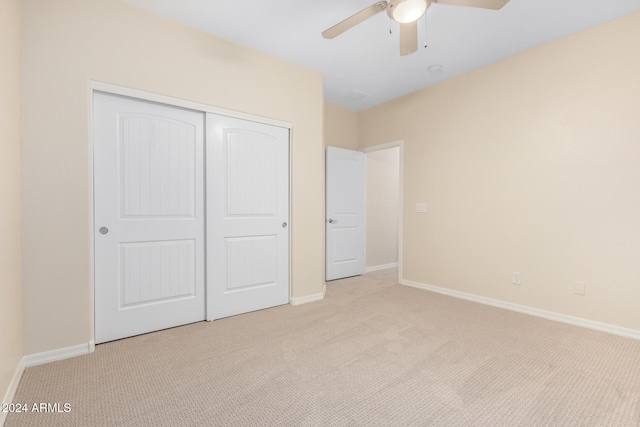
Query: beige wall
[
  {"x": 10, "y": 275},
  {"x": 531, "y": 164},
  {"x": 340, "y": 127},
  {"x": 68, "y": 43},
  {"x": 383, "y": 201}
]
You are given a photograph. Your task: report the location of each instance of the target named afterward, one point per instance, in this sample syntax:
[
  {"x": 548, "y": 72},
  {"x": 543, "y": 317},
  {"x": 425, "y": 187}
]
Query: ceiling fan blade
[
  {"x": 408, "y": 38},
  {"x": 354, "y": 20},
  {"x": 484, "y": 4}
]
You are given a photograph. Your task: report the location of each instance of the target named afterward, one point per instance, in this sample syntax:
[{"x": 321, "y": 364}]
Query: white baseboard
[
  {"x": 576, "y": 321},
  {"x": 13, "y": 386},
  {"x": 381, "y": 267},
  {"x": 309, "y": 298},
  {"x": 59, "y": 354}
]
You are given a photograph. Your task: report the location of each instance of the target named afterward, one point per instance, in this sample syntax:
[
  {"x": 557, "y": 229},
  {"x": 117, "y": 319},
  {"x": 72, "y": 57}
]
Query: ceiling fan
[{"x": 406, "y": 13}]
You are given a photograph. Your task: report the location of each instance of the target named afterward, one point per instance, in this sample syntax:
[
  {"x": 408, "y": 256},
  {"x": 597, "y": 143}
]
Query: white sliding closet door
[
  {"x": 247, "y": 216},
  {"x": 149, "y": 216}
]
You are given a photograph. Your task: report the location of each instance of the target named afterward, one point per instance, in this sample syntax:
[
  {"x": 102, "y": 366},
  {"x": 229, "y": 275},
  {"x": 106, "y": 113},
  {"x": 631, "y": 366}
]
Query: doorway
[{"x": 384, "y": 206}]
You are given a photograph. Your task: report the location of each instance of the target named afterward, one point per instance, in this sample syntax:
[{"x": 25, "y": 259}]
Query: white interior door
[
  {"x": 247, "y": 216},
  {"x": 345, "y": 213},
  {"x": 149, "y": 216}
]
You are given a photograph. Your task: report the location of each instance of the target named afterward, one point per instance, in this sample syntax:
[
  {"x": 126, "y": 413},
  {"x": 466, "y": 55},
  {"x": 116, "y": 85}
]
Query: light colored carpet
[{"x": 372, "y": 353}]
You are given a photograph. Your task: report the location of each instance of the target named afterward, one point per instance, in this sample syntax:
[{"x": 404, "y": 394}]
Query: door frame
[
  {"x": 399, "y": 143},
  {"x": 95, "y": 86}
]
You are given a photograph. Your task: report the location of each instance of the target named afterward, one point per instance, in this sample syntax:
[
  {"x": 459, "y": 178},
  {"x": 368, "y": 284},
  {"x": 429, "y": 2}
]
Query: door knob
[
  {"x": 103, "y": 230},
  {"x": 284, "y": 225},
  {"x": 332, "y": 221}
]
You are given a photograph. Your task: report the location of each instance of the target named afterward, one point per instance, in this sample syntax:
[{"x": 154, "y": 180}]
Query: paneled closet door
[
  {"x": 247, "y": 216},
  {"x": 149, "y": 216}
]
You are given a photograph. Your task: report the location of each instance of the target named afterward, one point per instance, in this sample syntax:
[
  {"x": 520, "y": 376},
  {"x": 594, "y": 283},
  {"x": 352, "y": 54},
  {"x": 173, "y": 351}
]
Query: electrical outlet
[
  {"x": 578, "y": 288},
  {"x": 421, "y": 207},
  {"x": 515, "y": 278}
]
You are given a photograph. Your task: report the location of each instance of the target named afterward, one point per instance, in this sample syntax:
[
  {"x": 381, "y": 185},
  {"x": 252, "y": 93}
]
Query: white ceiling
[{"x": 366, "y": 59}]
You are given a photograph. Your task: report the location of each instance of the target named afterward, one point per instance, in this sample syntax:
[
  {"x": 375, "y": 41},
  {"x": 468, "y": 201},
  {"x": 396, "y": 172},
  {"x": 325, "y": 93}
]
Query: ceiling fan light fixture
[{"x": 406, "y": 11}]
